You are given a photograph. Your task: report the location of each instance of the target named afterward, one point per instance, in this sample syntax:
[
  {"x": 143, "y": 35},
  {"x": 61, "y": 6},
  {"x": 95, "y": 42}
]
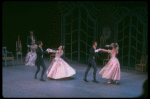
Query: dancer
[
  {"x": 59, "y": 68},
  {"x": 112, "y": 69},
  {"x": 39, "y": 60},
  {"x": 91, "y": 62},
  {"x": 31, "y": 56}
]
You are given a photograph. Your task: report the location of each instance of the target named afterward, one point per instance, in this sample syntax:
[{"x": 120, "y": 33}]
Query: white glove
[
  {"x": 49, "y": 50},
  {"x": 54, "y": 51},
  {"x": 28, "y": 46},
  {"x": 57, "y": 51},
  {"x": 97, "y": 50},
  {"x": 107, "y": 45}
]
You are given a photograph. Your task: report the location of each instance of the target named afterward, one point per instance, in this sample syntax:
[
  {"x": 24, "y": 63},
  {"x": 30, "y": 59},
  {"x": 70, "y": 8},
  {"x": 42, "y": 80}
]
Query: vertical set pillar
[
  {"x": 136, "y": 41},
  {"x": 97, "y": 30},
  {"x": 61, "y": 32},
  {"x": 129, "y": 40},
  {"x": 146, "y": 36},
  {"x": 79, "y": 29},
  {"x": 144, "y": 43},
  {"x": 116, "y": 32},
  {"x": 64, "y": 33},
  {"x": 94, "y": 31},
  {"x": 86, "y": 38},
  {"x": 122, "y": 42},
  {"x": 71, "y": 34}
]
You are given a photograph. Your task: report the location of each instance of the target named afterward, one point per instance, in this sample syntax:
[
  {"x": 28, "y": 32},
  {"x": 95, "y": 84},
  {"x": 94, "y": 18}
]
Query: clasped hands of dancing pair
[{"x": 61, "y": 69}]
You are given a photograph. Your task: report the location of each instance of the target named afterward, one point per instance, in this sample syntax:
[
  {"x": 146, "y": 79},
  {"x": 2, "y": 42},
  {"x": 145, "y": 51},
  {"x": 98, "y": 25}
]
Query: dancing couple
[
  {"x": 31, "y": 55},
  {"x": 111, "y": 71},
  {"x": 58, "y": 67}
]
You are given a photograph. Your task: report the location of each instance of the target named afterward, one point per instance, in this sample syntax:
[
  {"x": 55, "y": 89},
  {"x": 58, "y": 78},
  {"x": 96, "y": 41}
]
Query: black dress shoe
[
  {"x": 85, "y": 80},
  {"x": 35, "y": 77},
  {"x": 42, "y": 80},
  {"x": 95, "y": 81}
]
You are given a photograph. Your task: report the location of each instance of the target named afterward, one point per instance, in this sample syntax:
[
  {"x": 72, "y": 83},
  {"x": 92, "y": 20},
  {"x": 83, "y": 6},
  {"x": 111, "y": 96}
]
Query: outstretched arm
[
  {"x": 55, "y": 51},
  {"x": 38, "y": 50},
  {"x": 105, "y": 50},
  {"x": 100, "y": 47},
  {"x": 52, "y": 51}
]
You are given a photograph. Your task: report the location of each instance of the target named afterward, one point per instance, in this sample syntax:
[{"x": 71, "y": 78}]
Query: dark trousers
[
  {"x": 42, "y": 64},
  {"x": 91, "y": 63}
]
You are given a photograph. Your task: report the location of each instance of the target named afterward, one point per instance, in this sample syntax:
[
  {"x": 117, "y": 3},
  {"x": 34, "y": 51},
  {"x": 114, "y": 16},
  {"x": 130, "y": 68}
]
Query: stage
[{"x": 18, "y": 82}]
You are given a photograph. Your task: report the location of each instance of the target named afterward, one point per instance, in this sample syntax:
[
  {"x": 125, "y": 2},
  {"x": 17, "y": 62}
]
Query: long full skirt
[
  {"x": 111, "y": 70},
  {"x": 30, "y": 59},
  {"x": 59, "y": 69}
]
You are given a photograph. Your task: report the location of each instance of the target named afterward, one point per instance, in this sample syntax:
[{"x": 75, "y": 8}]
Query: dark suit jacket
[
  {"x": 29, "y": 40},
  {"x": 39, "y": 53},
  {"x": 92, "y": 53}
]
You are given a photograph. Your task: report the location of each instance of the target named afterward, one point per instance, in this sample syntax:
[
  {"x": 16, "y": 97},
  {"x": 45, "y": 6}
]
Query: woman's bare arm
[{"x": 105, "y": 50}]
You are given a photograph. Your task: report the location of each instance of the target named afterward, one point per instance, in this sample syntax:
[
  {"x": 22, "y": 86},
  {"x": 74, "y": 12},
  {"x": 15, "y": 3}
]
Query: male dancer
[
  {"x": 39, "y": 60},
  {"x": 91, "y": 62},
  {"x": 30, "y": 38}
]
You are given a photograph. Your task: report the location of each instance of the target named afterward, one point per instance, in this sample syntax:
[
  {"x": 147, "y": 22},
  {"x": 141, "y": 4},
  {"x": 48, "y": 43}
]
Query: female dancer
[
  {"x": 112, "y": 69},
  {"x": 59, "y": 68},
  {"x": 31, "y": 56}
]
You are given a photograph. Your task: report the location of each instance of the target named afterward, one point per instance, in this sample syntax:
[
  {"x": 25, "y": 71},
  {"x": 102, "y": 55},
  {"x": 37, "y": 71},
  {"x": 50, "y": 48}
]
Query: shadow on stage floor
[{"x": 62, "y": 79}]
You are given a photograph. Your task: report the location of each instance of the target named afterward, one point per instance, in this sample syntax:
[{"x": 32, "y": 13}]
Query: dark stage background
[
  {"x": 44, "y": 18},
  {"x": 20, "y": 17}
]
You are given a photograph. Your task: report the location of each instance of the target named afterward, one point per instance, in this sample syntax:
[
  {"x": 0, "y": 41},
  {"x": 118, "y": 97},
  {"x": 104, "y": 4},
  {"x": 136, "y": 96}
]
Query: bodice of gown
[
  {"x": 34, "y": 48},
  {"x": 57, "y": 55},
  {"x": 113, "y": 55}
]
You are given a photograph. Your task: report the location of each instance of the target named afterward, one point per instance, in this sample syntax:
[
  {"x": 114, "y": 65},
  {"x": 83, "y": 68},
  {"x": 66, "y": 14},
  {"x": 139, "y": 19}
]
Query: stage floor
[{"x": 18, "y": 81}]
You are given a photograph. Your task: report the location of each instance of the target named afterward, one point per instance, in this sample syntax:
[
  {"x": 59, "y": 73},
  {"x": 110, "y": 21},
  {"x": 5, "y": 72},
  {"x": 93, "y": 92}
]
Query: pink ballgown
[
  {"x": 31, "y": 57},
  {"x": 112, "y": 69},
  {"x": 59, "y": 68}
]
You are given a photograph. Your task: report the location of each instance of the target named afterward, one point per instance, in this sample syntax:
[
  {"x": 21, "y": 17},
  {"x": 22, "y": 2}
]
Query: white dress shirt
[{"x": 32, "y": 37}]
